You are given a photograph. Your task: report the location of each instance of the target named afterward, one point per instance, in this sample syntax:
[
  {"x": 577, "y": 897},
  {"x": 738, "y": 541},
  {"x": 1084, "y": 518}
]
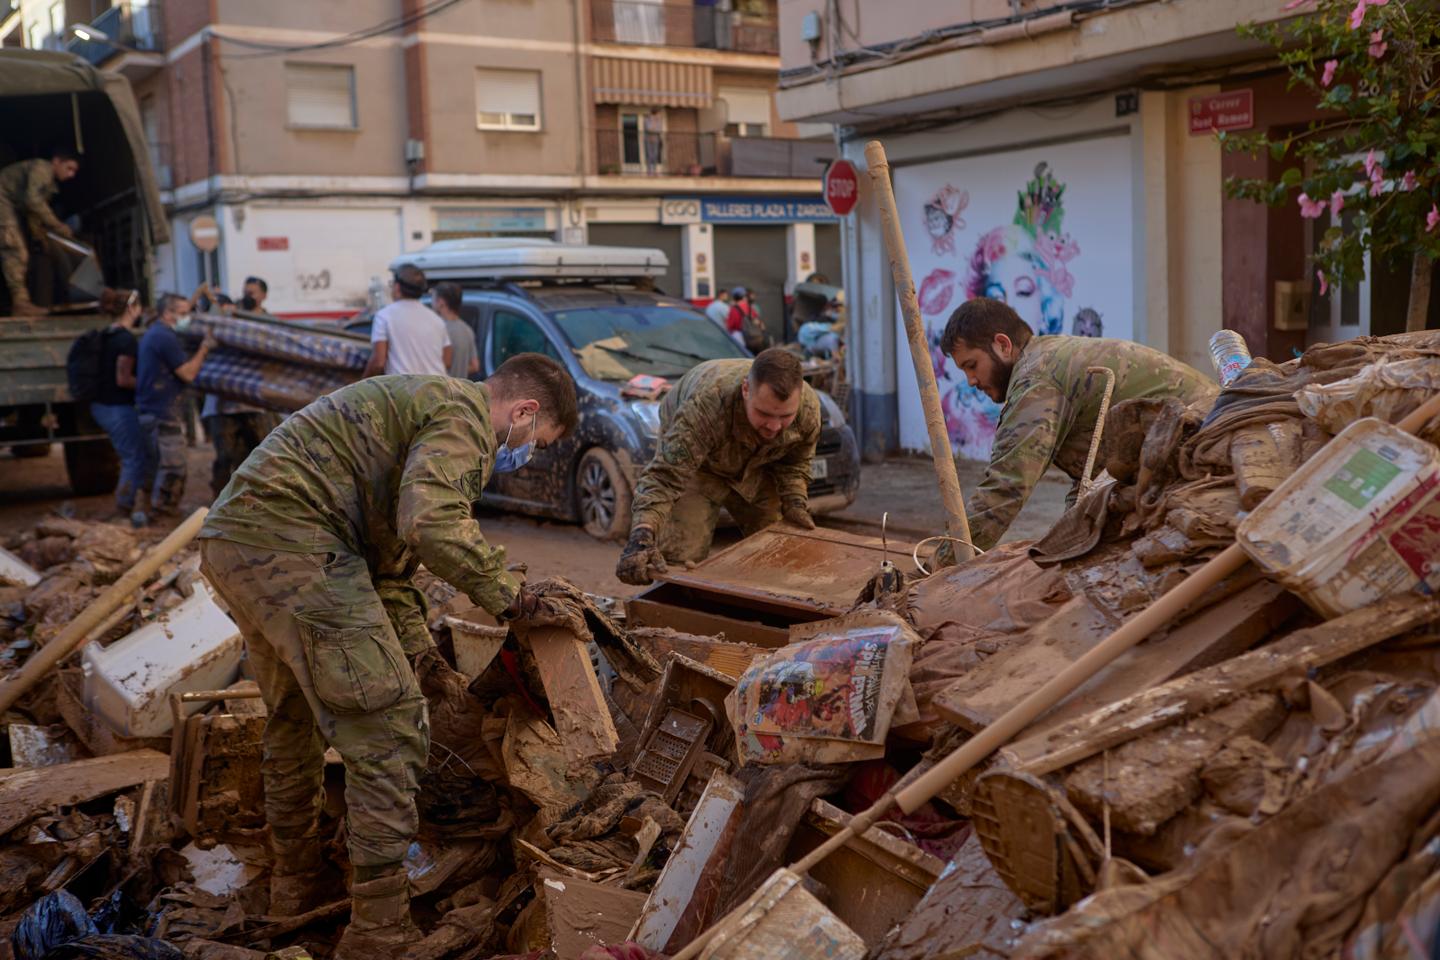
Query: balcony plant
[{"x": 1375, "y": 153}]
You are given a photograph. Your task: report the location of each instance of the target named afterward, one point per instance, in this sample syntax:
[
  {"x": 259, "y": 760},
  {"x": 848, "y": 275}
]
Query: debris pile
[{"x": 1261, "y": 777}]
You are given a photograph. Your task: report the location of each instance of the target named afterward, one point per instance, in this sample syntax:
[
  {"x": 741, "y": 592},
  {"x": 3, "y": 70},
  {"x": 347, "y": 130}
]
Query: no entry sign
[{"x": 842, "y": 186}]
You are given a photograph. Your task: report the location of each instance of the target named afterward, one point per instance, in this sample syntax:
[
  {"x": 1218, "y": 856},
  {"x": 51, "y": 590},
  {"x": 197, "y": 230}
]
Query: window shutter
[
  {"x": 507, "y": 97},
  {"x": 320, "y": 95},
  {"x": 746, "y": 106}
]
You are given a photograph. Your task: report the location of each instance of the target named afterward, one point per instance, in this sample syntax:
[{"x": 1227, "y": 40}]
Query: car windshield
[{"x": 617, "y": 342}]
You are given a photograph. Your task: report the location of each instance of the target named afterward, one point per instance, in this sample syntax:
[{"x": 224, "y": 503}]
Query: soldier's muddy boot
[
  {"x": 380, "y": 925},
  {"x": 297, "y": 877}
]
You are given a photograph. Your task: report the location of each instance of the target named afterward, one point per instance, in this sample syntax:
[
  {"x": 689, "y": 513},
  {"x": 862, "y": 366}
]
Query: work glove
[
  {"x": 530, "y": 609},
  {"x": 640, "y": 561},
  {"x": 797, "y": 512}
]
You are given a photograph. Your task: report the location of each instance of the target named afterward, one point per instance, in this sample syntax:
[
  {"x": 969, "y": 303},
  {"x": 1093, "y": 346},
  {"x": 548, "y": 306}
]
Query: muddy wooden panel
[
  {"x": 1226, "y": 630},
  {"x": 580, "y": 914},
  {"x": 678, "y": 608},
  {"x": 998, "y": 683},
  {"x": 809, "y": 571},
  {"x": 967, "y": 910},
  {"x": 1290, "y": 656},
  {"x": 874, "y": 881},
  {"x": 28, "y": 793},
  {"x": 582, "y": 718},
  {"x": 731, "y": 659}
]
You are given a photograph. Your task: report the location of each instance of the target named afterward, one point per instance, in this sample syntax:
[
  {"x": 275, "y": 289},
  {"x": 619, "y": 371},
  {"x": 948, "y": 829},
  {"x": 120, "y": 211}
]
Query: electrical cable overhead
[{"x": 343, "y": 40}]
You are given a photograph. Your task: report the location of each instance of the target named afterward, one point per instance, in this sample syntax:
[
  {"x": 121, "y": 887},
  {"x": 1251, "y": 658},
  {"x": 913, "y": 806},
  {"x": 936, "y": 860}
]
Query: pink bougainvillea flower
[
  {"x": 1409, "y": 181},
  {"x": 1433, "y": 219},
  {"x": 1328, "y": 77},
  {"x": 1324, "y": 284},
  {"x": 1337, "y": 203},
  {"x": 1357, "y": 16},
  {"x": 1378, "y": 46},
  {"x": 1310, "y": 209},
  {"x": 1376, "y": 173}
]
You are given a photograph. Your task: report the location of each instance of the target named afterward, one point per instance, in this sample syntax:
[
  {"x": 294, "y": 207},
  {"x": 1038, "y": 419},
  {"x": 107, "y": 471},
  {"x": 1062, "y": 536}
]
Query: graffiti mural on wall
[{"x": 1055, "y": 268}]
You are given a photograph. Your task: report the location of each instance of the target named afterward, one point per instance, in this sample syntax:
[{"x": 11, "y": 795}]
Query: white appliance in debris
[{"x": 193, "y": 646}]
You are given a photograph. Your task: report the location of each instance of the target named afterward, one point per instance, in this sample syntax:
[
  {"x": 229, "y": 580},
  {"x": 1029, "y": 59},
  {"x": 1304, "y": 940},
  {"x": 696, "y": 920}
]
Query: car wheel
[{"x": 602, "y": 495}]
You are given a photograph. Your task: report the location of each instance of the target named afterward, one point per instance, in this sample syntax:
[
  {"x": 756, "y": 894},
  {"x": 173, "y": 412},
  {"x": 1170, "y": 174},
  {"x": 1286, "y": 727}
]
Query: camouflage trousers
[
  {"x": 164, "y": 472},
  {"x": 14, "y": 253},
  {"x": 686, "y": 538},
  {"x": 331, "y": 671},
  {"x": 234, "y": 436}
]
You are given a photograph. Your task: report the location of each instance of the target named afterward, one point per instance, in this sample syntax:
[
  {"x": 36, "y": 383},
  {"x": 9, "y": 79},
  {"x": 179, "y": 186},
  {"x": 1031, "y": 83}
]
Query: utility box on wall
[{"x": 1292, "y": 305}]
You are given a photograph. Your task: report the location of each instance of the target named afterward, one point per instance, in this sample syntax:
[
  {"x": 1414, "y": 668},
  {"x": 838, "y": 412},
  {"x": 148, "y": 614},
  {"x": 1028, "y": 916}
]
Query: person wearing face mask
[
  {"x": 313, "y": 545},
  {"x": 737, "y": 434},
  {"x": 1051, "y": 402},
  {"x": 162, "y": 373}
]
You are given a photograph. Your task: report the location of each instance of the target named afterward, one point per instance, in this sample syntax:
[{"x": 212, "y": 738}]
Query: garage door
[
  {"x": 754, "y": 257},
  {"x": 666, "y": 239}
]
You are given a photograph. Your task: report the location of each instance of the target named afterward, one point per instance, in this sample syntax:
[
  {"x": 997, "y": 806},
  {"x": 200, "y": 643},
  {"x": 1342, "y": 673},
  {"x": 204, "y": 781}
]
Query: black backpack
[{"x": 82, "y": 365}]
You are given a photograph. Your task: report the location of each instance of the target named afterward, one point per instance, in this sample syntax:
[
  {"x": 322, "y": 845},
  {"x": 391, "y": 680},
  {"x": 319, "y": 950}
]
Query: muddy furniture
[{"x": 755, "y": 590}]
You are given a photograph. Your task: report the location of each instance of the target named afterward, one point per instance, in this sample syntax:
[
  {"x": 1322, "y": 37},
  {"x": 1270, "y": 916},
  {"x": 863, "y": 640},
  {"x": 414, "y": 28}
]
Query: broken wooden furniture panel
[
  {"x": 476, "y": 644},
  {"x": 874, "y": 881},
  {"x": 582, "y": 717},
  {"x": 783, "y": 919},
  {"x": 27, "y": 793},
  {"x": 214, "y": 763},
  {"x": 731, "y": 659},
  {"x": 682, "y": 902},
  {"x": 580, "y": 914},
  {"x": 755, "y": 590},
  {"x": 684, "y": 726}
]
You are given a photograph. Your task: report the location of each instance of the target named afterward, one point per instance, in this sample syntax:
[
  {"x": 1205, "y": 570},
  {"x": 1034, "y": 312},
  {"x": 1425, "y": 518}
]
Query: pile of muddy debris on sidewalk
[{"x": 1258, "y": 776}]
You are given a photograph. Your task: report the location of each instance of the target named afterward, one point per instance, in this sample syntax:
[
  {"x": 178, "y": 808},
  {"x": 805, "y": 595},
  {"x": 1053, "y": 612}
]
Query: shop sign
[
  {"x": 492, "y": 221},
  {"x": 272, "y": 244},
  {"x": 1212, "y": 113},
  {"x": 761, "y": 210}
]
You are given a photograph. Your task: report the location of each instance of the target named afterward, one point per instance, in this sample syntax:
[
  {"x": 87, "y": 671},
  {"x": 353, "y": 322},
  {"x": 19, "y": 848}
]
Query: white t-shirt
[
  {"x": 719, "y": 311},
  {"x": 416, "y": 335}
]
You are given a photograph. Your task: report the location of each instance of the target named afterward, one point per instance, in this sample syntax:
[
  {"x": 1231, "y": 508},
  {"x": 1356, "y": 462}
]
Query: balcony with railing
[
  {"x": 684, "y": 25},
  {"x": 125, "y": 28},
  {"x": 631, "y": 151}
]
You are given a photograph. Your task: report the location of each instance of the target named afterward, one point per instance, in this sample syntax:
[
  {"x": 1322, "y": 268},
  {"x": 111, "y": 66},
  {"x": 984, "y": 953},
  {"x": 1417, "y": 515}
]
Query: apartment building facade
[
  {"x": 325, "y": 138},
  {"x": 1061, "y": 156}
]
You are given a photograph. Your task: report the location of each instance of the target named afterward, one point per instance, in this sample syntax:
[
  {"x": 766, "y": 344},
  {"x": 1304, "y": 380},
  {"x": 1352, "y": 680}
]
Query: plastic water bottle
[{"x": 1230, "y": 354}]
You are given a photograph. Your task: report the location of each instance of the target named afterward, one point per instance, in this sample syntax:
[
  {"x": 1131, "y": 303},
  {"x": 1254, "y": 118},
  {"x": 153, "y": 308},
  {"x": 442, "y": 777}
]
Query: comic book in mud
[{"x": 836, "y": 691}]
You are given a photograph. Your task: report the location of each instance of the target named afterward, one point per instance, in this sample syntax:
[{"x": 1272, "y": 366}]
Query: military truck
[{"x": 51, "y": 99}]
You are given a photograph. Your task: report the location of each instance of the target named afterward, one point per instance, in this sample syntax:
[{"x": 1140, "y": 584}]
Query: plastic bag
[
  {"x": 54, "y": 919},
  {"x": 109, "y": 946}
]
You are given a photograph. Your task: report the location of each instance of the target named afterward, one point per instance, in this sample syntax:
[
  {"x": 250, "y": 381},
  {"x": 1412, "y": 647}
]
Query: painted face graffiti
[{"x": 943, "y": 220}]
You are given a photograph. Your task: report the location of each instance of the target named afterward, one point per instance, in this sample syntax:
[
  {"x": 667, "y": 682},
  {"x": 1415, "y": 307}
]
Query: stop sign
[{"x": 842, "y": 186}]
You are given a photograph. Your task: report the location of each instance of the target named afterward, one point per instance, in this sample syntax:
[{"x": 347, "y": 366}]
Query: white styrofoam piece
[
  {"x": 16, "y": 571},
  {"x": 672, "y": 892},
  {"x": 218, "y": 871},
  {"x": 193, "y": 646},
  {"x": 510, "y": 258}
]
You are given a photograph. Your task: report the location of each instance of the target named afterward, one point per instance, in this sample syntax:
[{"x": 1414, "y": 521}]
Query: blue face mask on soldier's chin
[{"x": 509, "y": 459}]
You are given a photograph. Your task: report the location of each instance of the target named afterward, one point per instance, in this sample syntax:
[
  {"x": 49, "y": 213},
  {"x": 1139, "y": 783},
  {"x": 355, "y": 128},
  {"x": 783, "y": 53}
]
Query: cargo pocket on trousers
[{"x": 355, "y": 668}]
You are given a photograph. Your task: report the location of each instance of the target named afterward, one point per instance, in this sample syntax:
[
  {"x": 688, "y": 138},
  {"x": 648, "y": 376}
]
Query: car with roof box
[{"x": 596, "y": 310}]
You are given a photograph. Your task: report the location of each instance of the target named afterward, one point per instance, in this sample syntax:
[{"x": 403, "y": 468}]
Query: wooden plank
[
  {"x": 1292, "y": 655},
  {"x": 580, "y": 914},
  {"x": 1215, "y": 634},
  {"x": 808, "y": 571},
  {"x": 648, "y": 611},
  {"x": 731, "y": 659},
  {"x": 25, "y": 794},
  {"x": 582, "y": 717}
]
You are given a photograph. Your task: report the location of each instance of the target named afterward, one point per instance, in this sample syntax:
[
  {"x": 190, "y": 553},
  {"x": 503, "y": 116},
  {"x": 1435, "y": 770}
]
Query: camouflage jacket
[
  {"x": 27, "y": 187},
  {"x": 386, "y": 469},
  {"x": 706, "y": 438},
  {"x": 1050, "y": 411}
]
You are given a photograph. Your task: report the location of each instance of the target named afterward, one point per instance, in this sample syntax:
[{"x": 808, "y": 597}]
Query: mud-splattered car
[{"x": 607, "y": 330}]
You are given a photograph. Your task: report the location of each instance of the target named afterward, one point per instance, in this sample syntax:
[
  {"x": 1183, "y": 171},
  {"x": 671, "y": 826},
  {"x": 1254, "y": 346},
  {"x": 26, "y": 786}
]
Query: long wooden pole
[
  {"x": 908, "y": 796},
  {"x": 75, "y": 632},
  {"x": 951, "y": 496}
]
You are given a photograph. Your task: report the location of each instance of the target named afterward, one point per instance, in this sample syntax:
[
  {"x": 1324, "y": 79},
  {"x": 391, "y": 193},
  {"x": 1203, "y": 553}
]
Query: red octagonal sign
[{"x": 842, "y": 186}]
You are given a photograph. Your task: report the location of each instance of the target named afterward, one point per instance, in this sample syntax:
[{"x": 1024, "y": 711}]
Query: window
[
  {"x": 507, "y": 99},
  {"x": 512, "y": 333},
  {"x": 320, "y": 96},
  {"x": 747, "y": 111}
]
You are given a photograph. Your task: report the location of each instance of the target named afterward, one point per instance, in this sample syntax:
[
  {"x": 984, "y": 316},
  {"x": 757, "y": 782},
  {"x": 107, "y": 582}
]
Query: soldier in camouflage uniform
[
  {"x": 312, "y": 546},
  {"x": 1051, "y": 402},
  {"x": 737, "y": 434},
  {"x": 25, "y": 191}
]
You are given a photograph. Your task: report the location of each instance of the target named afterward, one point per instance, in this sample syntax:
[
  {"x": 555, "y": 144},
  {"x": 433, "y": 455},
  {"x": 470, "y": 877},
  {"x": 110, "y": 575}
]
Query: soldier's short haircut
[
  {"x": 778, "y": 369},
  {"x": 449, "y": 294},
  {"x": 976, "y": 322},
  {"x": 411, "y": 280},
  {"x": 534, "y": 376}
]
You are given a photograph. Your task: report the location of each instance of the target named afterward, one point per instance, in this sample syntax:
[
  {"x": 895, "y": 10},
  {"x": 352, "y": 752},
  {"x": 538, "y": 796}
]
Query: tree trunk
[{"x": 1419, "y": 312}]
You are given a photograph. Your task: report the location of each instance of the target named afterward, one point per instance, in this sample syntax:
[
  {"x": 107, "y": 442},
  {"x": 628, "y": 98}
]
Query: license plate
[{"x": 819, "y": 469}]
